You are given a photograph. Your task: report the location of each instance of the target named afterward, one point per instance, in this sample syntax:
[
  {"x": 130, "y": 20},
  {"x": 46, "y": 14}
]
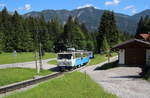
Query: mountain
[
  {"x": 91, "y": 17},
  {"x": 138, "y": 15}
]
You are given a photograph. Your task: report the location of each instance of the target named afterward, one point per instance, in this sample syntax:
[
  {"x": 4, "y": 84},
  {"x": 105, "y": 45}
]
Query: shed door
[
  {"x": 134, "y": 56},
  {"x": 122, "y": 56}
]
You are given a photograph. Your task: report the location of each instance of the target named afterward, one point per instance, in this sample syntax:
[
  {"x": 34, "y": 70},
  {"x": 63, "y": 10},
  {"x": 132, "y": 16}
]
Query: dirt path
[
  {"x": 121, "y": 81},
  {"x": 29, "y": 64}
]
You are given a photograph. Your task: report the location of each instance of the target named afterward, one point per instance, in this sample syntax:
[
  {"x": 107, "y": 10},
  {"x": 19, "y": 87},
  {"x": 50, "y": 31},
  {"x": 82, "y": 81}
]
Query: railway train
[{"x": 73, "y": 59}]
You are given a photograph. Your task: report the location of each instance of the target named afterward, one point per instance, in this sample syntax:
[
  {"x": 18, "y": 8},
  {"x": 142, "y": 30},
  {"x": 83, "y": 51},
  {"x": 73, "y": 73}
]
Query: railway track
[
  {"x": 19, "y": 85},
  {"x": 23, "y": 84}
]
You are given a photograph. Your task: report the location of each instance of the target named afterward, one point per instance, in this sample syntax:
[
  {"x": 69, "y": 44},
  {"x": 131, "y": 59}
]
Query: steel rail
[
  {"x": 23, "y": 84},
  {"x": 19, "y": 85}
]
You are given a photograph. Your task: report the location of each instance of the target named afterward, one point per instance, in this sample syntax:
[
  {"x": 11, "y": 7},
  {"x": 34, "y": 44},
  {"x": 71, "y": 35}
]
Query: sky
[{"x": 129, "y": 7}]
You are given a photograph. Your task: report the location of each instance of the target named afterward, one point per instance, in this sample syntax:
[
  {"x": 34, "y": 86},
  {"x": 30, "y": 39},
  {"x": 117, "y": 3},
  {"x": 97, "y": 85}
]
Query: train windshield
[{"x": 64, "y": 56}]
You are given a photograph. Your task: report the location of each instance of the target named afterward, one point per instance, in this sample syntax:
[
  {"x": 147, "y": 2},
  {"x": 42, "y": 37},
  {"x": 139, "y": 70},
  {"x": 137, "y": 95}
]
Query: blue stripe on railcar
[
  {"x": 91, "y": 56},
  {"x": 85, "y": 60},
  {"x": 78, "y": 62}
]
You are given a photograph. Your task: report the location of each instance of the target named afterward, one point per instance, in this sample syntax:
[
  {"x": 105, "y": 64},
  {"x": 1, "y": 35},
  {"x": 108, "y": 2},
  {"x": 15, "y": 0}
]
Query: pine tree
[
  {"x": 32, "y": 28},
  {"x": 90, "y": 45},
  {"x": 18, "y": 32},
  {"x": 1, "y": 42},
  {"x": 55, "y": 30},
  {"x": 107, "y": 29},
  {"x": 85, "y": 31},
  {"x": 6, "y": 28},
  {"x": 143, "y": 25},
  {"x": 102, "y": 31},
  {"x": 26, "y": 34},
  {"x": 94, "y": 41},
  {"x": 1, "y": 34},
  {"x": 43, "y": 36},
  {"x": 68, "y": 34},
  {"x": 88, "y": 36},
  {"x": 105, "y": 45},
  {"x": 140, "y": 26},
  {"x": 113, "y": 34},
  {"x": 28, "y": 40},
  {"x": 146, "y": 28}
]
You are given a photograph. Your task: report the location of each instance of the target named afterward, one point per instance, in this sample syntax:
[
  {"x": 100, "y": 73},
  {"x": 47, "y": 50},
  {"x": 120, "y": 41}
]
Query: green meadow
[
  {"x": 71, "y": 85},
  {"x": 8, "y": 58},
  {"x": 12, "y": 75},
  {"x": 99, "y": 58},
  {"x": 53, "y": 62}
]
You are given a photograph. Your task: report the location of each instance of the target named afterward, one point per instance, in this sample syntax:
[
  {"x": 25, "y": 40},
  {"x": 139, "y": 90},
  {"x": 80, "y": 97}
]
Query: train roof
[
  {"x": 65, "y": 53},
  {"x": 73, "y": 52}
]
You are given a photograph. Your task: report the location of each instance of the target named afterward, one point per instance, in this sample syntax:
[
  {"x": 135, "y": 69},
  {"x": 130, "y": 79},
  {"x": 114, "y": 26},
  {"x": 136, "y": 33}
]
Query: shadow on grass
[
  {"x": 55, "y": 69},
  {"x": 108, "y": 66}
]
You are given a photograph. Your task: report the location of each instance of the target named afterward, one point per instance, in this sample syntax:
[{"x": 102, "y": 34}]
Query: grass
[
  {"x": 71, "y": 85},
  {"x": 8, "y": 58},
  {"x": 53, "y": 62},
  {"x": 12, "y": 75},
  {"x": 149, "y": 79},
  {"x": 99, "y": 58},
  {"x": 114, "y": 54},
  {"x": 108, "y": 66}
]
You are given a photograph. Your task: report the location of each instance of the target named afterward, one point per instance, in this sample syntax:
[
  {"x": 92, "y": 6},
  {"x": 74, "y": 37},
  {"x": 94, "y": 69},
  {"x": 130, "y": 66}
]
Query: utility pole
[
  {"x": 40, "y": 57},
  {"x": 36, "y": 49},
  {"x": 36, "y": 63}
]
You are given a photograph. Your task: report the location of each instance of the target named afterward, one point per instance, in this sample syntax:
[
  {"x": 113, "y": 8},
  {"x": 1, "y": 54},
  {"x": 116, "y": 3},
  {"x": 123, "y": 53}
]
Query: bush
[
  {"x": 147, "y": 75},
  {"x": 145, "y": 71}
]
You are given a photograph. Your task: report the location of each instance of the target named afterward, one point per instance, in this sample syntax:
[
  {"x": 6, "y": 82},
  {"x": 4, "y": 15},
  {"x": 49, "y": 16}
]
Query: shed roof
[
  {"x": 145, "y": 36},
  {"x": 131, "y": 41}
]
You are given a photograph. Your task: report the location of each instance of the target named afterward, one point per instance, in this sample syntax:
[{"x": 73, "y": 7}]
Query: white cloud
[
  {"x": 2, "y": 5},
  {"x": 87, "y": 5},
  {"x": 129, "y": 7},
  {"x": 113, "y": 2},
  {"x": 26, "y": 7},
  {"x": 134, "y": 11},
  {"x": 132, "y": 8}
]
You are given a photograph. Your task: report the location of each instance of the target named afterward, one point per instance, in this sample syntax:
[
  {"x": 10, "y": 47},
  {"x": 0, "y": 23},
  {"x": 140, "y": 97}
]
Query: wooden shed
[{"x": 134, "y": 52}]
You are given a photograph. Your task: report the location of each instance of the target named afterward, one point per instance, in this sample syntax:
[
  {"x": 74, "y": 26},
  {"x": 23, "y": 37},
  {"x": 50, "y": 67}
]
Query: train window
[
  {"x": 84, "y": 55},
  {"x": 64, "y": 56},
  {"x": 77, "y": 55},
  {"x": 90, "y": 53}
]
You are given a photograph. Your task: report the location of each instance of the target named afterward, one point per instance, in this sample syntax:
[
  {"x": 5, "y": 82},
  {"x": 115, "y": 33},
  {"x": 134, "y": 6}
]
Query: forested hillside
[
  {"x": 91, "y": 17},
  {"x": 28, "y": 34}
]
